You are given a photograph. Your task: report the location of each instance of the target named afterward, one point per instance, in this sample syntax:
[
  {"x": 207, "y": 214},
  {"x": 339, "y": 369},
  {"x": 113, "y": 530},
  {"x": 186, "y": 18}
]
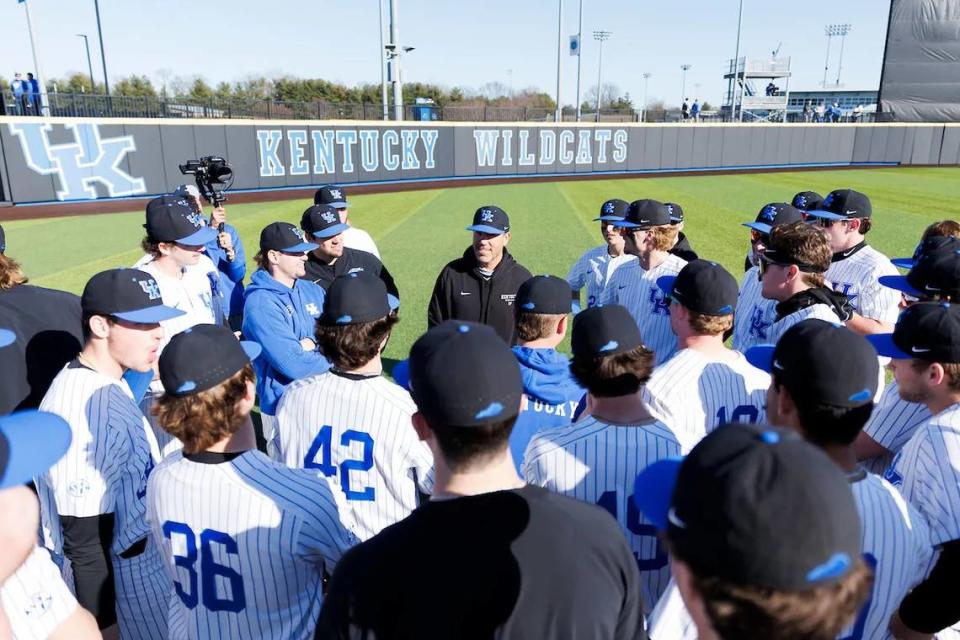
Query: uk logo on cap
[
  {"x": 769, "y": 213},
  {"x": 608, "y": 207},
  {"x": 486, "y": 215},
  {"x": 336, "y": 193},
  {"x": 801, "y": 201},
  {"x": 828, "y": 200},
  {"x": 300, "y": 234},
  {"x": 328, "y": 217},
  {"x": 196, "y": 220},
  {"x": 150, "y": 287}
]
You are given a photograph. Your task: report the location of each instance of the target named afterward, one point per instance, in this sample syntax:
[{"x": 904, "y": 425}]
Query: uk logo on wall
[{"x": 79, "y": 165}]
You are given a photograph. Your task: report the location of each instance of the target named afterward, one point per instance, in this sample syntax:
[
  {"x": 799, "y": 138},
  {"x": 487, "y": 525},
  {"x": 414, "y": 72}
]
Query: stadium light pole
[
  {"x": 600, "y": 36},
  {"x": 843, "y": 30},
  {"x": 395, "y": 52},
  {"x": 646, "y": 82},
  {"x": 683, "y": 96},
  {"x": 558, "y": 116},
  {"x": 830, "y": 30},
  {"x": 103, "y": 56},
  {"x": 736, "y": 66},
  {"x": 86, "y": 43},
  {"x": 384, "y": 100},
  {"x": 579, "y": 57}
]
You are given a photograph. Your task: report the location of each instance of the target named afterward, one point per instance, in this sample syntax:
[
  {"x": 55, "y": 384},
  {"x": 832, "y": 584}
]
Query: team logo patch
[
  {"x": 608, "y": 207},
  {"x": 329, "y": 217},
  {"x": 150, "y": 287},
  {"x": 312, "y": 309},
  {"x": 196, "y": 220},
  {"x": 486, "y": 215},
  {"x": 508, "y": 297},
  {"x": 758, "y": 326},
  {"x": 300, "y": 234},
  {"x": 40, "y": 603},
  {"x": 336, "y": 193},
  {"x": 768, "y": 213},
  {"x": 78, "y": 488}
]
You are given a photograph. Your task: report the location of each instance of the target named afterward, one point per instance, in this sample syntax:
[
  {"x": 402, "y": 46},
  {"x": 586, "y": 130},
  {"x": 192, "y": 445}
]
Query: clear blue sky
[{"x": 458, "y": 42}]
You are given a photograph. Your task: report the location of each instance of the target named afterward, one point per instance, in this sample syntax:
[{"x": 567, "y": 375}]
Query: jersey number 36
[{"x": 230, "y": 581}]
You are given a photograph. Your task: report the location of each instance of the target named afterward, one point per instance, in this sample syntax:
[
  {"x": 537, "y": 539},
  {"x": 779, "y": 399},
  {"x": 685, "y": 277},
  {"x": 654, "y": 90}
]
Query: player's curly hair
[
  {"x": 664, "y": 237},
  {"x": 803, "y": 243},
  {"x": 942, "y": 229},
  {"x": 150, "y": 246},
  {"x": 11, "y": 275},
  {"x": 620, "y": 374},
  {"x": 202, "y": 419},
  {"x": 707, "y": 325},
  {"x": 351, "y": 346}
]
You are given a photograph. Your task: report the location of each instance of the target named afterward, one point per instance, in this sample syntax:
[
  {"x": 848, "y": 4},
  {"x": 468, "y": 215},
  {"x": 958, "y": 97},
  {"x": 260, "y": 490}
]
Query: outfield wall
[{"x": 46, "y": 160}]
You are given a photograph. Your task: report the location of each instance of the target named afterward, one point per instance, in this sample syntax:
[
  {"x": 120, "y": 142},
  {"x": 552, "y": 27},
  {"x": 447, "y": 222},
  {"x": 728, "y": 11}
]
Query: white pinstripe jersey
[
  {"x": 755, "y": 314},
  {"x": 817, "y": 311},
  {"x": 35, "y": 598},
  {"x": 891, "y": 425},
  {"x": 246, "y": 541},
  {"x": 694, "y": 395},
  {"x": 594, "y": 270},
  {"x": 597, "y": 463},
  {"x": 895, "y": 543},
  {"x": 857, "y": 278},
  {"x": 636, "y": 289},
  {"x": 106, "y": 467},
  {"x": 356, "y": 432}
]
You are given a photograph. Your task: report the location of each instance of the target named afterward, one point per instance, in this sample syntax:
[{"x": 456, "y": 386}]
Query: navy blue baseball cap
[
  {"x": 676, "y": 212},
  {"x": 755, "y": 505},
  {"x": 331, "y": 195},
  {"x": 201, "y": 357},
  {"x": 773, "y": 215},
  {"x": 604, "y": 331},
  {"x": 924, "y": 331},
  {"x": 172, "y": 219},
  {"x": 285, "y": 237},
  {"x": 128, "y": 294},
  {"x": 356, "y": 298},
  {"x": 806, "y": 200},
  {"x": 490, "y": 219},
  {"x": 644, "y": 214},
  {"x": 613, "y": 210},
  {"x": 936, "y": 273},
  {"x": 322, "y": 221},
  {"x": 702, "y": 286},
  {"x": 843, "y": 204},
  {"x": 933, "y": 244},
  {"x": 547, "y": 295},
  {"x": 30, "y": 443}
]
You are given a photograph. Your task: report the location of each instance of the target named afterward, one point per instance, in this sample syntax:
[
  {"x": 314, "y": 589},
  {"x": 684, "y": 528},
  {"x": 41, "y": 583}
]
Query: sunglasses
[
  {"x": 756, "y": 236},
  {"x": 765, "y": 263},
  {"x": 826, "y": 224}
]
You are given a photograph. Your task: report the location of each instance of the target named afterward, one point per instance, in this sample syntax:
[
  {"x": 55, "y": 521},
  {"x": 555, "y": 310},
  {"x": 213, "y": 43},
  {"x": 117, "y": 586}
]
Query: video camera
[{"x": 210, "y": 172}]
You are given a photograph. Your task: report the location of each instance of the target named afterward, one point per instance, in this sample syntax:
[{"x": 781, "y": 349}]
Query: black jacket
[
  {"x": 462, "y": 294},
  {"x": 683, "y": 249},
  {"x": 351, "y": 260}
]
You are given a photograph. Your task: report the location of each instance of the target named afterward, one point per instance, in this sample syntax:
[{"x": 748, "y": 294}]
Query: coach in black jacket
[{"x": 482, "y": 284}]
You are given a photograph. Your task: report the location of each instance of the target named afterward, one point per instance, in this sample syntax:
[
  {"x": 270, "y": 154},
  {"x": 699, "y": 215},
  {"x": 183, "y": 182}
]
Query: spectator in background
[
  {"x": 685, "y": 110},
  {"x": 807, "y": 112},
  {"x": 695, "y": 110},
  {"x": 33, "y": 94},
  {"x": 821, "y": 112},
  {"x": 18, "y": 87}
]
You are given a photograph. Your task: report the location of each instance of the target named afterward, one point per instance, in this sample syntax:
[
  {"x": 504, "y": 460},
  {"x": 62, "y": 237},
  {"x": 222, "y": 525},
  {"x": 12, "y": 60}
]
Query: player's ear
[
  {"x": 165, "y": 248},
  {"x": 936, "y": 374},
  {"x": 424, "y": 433},
  {"x": 99, "y": 326},
  {"x": 506, "y": 237},
  {"x": 562, "y": 326}
]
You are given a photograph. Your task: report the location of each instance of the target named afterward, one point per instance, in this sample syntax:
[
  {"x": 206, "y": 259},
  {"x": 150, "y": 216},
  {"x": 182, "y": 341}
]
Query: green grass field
[{"x": 419, "y": 231}]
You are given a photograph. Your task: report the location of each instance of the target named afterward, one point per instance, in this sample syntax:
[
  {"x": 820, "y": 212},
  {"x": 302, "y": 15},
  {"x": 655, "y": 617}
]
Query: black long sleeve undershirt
[
  {"x": 933, "y": 604},
  {"x": 86, "y": 542}
]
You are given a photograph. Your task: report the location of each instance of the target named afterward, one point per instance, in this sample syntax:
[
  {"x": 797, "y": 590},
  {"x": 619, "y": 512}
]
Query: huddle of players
[{"x": 224, "y": 542}]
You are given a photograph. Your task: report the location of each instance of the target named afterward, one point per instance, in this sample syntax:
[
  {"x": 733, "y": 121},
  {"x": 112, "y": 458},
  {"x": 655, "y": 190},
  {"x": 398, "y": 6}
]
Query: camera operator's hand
[
  {"x": 226, "y": 243},
  {"x": 218, "y": 217},
  {"x": 197, "y": 202}
]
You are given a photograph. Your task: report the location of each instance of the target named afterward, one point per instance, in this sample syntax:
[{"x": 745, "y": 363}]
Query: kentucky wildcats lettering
[
  {"x": 856, "y": 276},
  {"x": 594, "y": 270},
  {"x": 755, "y": 314},
  {"x": 892, "y": 424}
]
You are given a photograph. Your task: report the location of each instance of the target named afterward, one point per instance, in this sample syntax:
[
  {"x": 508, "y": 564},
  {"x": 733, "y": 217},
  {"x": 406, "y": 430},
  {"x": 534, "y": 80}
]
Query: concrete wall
[{"x": 61, "y": 159}]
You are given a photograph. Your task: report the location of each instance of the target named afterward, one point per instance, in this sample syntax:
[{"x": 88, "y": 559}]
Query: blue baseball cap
[
  {"x": 285, "y": 237},
  {"x": 30, "y": 443},
  {"x": 773, "y": 215},
  {"x": 613, "y": 210},
  {"x": 322, "y": 221},
  {"x": 490, "y": 219},
  {"x": 843, "y": 204},
  {"x": 332, "y": 195},
  {"x": 933, "y": 244},
  {"x": 172, "y": 219},
  {"x": 806, "y": 200},
  {"x": 128, "y": 294},
  {"x": 936, "y": 273}
]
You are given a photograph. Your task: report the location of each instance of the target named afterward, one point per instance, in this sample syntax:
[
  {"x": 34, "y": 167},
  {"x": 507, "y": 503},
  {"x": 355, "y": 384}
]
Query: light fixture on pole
[
  {"x": 103, "y": 56},
  {"x": 394, "y": 54},
  {"x": 600, "y": 36},
  {"x": 830, "y": 31},
  {"x": 685, "y": 67},
  {"x": 86, "y": 43},
  {"x": 842, "y": 32},
  {"x": 646, "y": 81}
]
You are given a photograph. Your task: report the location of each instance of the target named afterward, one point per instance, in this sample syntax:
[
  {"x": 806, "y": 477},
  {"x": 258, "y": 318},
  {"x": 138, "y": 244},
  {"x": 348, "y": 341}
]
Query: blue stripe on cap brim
[
  {"x": 401, "y": 374},
  {"x": 653, "y": 490},
  {"x": 623, "y": 224},
  {"x": 666, "y": 283},
  {"x": 676, "y": 219},
  {"x": 36, "y": 439},
  {"x": 339, "y": 204},
  {"x": 760, "y": 356},
  {"x": 900, "y": 284},
  {"x": 828, "y": 215},
  {"x": 303, "y": 247},
  {"x": 904, "y": 263},
  {"x": 199, "y": 237},
  {"x": 393, "y": 302},
  {"x": 150, "y": 315},
  {"x": 252, "y": 349},
  {"x": 329, "y": 232},
  {"x": 608, "y": 219},
  {"x": 483, "y": 228},
  {"x": 7, "y": 337},
  {"x": 758, "y": 226},
  {"x": 885, "y": 346}
]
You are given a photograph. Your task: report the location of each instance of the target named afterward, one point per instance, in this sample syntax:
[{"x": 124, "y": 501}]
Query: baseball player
[
  {"x": 681, "y": 248},
  {"x": 596, "y": 459},
  {"x": 925, "y": 352},
  {"x": 807, "y": 201},
  {"x": 705, "y": 384},
  {"x": 856, "y": 267},
  {"x": 649, "y": 235},
  {"x": 595, "y": 267},
  {"x": 350, "y": 424},
  {"x": 92, "y": 500},
  {"x": 353, "y": 237},
  {"x": 757, "y": 314},
  {"x": 245, "y": 540}
]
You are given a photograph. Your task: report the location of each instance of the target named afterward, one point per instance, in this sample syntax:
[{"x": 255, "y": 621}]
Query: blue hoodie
[
  {"x": 278, "y": 317},
  {"x": 230, "y": 273},
  {"x": 550, "y": 396}
]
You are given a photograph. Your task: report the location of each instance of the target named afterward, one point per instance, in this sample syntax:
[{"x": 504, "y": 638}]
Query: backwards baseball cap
[
  {"x": 462, "y": 374},
  {"x": 926, "y": 331},
  {"x": 201, "y": 357},
  {"x": 604, "y": 331},
  {"x": 703, "y": 287},
  {"x": 322, "y": 221},
  {"x": 187, "y": 190},
  {"x": 676, "y": 212},
  {"x": 613, "y": 210},
  {"x": 331, "y": 195},
  {"x": 172, "y": 219},
  {"x": 490, "y": 219},
  {"x": 773, "y": 215},
  {"x": 356, "y": 298},
  {"x": 843, "y": 204},
  {"x": 128, "y": 294},
  {"x": 935, "y": 273},
  {"x": 547, "y": 295},
  {"x": 755, "y": 505},
  {"x": 932, "y": 244},
  {"x": 821, "y": 362},
  {"x": 285, "y": 237},
  {"x": 806, "y": 200},
  {"x": 644, "y": 214},
  {"x": 30, "y": 443}
]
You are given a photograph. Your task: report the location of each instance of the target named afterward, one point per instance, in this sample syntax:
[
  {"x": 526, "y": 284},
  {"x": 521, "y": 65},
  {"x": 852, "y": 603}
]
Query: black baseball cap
[
  {"x": 613, "y": 210},
  {"x": 926, "y": 331},
  {"x": 773, "y": 215},
  {"x": 821, "y": 362},
  {"x": 843, "y": 204},
  {"x": 356, "y": 298},
  {"x": 676, "y": 212},
  {"x": 547, "y": 295},
  {"x": 930, "y": 245},
  {"x": 331, "y": 195},
  {"x": 604, "y": 331},
  {"x": 644, "y": 214},
  {"x": 935, "y": 273},
  {"x": 462, "y": 374},
  {"x": 285, "y": 237},
  {"x": 322, "y": 221},
  {"x": 755, "y": 505},
  {"x": 172, "y": 219},
  {"x": 702, "y": 286},
  {"x": 30, "y": 443},
  {"x": 806, "y": 200},
  {"x": 201, "y": 357},
  {"x": 490, "y": 219},
  {"x": 128, "y": 294}
]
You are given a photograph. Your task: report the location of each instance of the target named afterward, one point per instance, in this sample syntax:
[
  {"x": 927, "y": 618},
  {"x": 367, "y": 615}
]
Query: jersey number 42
[{"x": 323, "y": 446}]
